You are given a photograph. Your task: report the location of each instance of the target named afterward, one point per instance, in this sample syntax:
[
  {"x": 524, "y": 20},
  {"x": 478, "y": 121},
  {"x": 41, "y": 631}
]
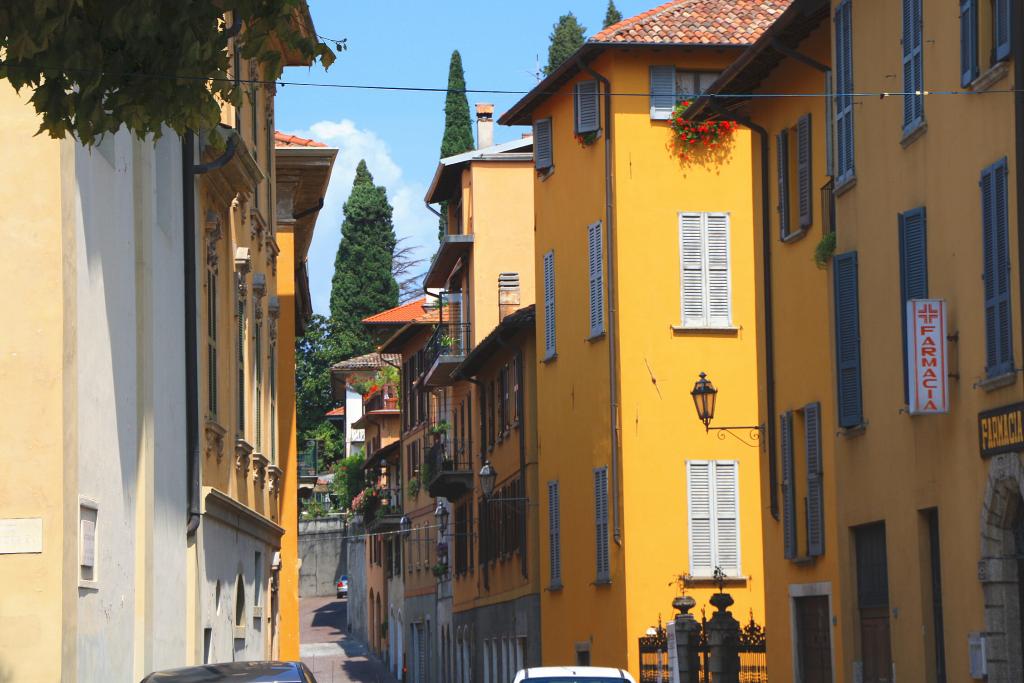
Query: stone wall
[
  {"x": 322, "y": 549},
  {"x": 356, "y": 551}
]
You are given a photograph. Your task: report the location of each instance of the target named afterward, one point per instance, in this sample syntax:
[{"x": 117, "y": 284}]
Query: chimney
[
  {"x": 508, "y": 294},
  {"x": 484, "y": 125}
]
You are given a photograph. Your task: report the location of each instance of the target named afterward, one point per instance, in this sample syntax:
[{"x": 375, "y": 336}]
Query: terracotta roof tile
[
  {"x": 337, "y": 412},
  {"x": 414, "y": 311},
  {"x": 285, "y": 140},
  {"x": 697, "y": 22},
  {"x": 370, "y": 361}
]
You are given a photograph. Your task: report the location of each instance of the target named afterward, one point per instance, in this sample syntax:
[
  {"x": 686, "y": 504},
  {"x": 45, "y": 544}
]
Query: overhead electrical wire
[{"x": 496, "y": 91}]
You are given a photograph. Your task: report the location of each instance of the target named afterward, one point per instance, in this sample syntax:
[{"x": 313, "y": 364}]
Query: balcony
[
  {"x": 445, "y": 350},
  {"x": 384, "y": 399},
  {"x": 384, "y": 517},
  {"x": 451, "y": 476},
  {"x": 451, "y": 249}
]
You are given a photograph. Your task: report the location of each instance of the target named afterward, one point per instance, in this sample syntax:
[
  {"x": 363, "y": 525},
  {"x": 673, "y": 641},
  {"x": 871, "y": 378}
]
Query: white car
[
  {"x": 573, "y": 674},
  {"x": 343, "y": 587}
]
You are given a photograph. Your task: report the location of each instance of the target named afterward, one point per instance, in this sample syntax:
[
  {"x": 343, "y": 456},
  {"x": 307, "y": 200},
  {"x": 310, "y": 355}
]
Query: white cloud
[{"x": 412, "y": 220}]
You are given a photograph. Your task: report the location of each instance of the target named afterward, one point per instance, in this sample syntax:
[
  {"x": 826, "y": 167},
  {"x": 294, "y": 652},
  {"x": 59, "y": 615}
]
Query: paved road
[{"x": 329, "y": 651}]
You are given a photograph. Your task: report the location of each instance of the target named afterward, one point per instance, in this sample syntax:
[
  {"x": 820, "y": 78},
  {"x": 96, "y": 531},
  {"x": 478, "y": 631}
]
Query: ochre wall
[
  {"x": 36, "y": 641},
  {"x": 803, "y": 345},
  {"x": 660, "y": 430},
  {"x": 902, "y": 464}
]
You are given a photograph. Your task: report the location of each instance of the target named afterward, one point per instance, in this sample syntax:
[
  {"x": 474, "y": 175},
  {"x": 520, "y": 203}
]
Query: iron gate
[{"x": 753, "y": 657}]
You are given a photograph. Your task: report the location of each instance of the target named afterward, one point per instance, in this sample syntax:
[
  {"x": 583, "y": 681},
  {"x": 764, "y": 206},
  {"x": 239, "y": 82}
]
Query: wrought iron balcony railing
[
  {"x": 450, "y": 474},
  {"x": 449, "y": 339}
]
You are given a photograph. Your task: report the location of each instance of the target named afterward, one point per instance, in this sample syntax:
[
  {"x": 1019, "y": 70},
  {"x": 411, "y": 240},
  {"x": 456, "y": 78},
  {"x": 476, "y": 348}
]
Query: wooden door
[{"x": 814, "y": 641}]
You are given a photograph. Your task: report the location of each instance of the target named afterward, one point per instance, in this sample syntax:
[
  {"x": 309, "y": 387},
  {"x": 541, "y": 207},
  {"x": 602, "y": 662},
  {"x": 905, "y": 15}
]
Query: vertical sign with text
[{"x": 927, "y": 372}]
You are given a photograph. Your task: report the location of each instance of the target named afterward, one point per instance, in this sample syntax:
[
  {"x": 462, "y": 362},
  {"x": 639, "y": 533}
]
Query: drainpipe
[
  {"x": 613, "y": 380},
  {"x": 769, "y": 325},
  {"x": 311, "y": 210},
  {"x": 191, "y": 332},
  {"x": 1018, "y": 121},
  {"x": 189, "y": 170}
]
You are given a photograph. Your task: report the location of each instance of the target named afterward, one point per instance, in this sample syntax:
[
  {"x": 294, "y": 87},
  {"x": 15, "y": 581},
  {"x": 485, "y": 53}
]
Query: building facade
[
  {"x": 94, "y": 505},
  {"x": 899, "y": 432},
  {"x": 489, "y": 614},
  {"x": 645, "y": 270}
]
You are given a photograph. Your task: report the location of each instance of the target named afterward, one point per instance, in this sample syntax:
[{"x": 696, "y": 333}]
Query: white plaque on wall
[{"x": 23, "y": 535}]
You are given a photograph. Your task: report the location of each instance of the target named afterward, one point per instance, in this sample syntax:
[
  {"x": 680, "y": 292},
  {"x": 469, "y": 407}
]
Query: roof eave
[{"x": 797, "y": 9}]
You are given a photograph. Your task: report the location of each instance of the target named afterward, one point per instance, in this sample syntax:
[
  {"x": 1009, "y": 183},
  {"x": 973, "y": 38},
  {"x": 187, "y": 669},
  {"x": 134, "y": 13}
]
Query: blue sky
[{"x": 409, "y": 43}]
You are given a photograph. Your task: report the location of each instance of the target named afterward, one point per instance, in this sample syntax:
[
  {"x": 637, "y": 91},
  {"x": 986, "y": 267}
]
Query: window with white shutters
[
  {"x": 712, "y": 488},
  {"x": 704, "y": 270},
  {"x": 554, "y": 535},
  {"x": 587, "y": 109},
  {"x": 595, "y": 251},
  {"x": 542, "y": 154},
  {"x": 549, "y": 305},
  {"x": 603, "y": 565}
]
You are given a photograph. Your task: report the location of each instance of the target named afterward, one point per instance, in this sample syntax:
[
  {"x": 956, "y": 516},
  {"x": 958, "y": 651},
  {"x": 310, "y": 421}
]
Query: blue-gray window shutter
[
  {"x": 995, "y": 236},
  {"x": 588, "y": 110},
  {"x": 913, "y": 80},
  {"x": 803, "y": 170},
  {"x": 782, "y": 181},
  {"x": 968, "y": 41},
  {"x": 542, "y": 154},
  {"x": 847, "y": 339},
  {"x": 663, "y": 91},
  {"x": 788, "y": 489},
  {"x": 602, "y": 561},
  {"x": 815, "y": 498},
  {"x": 1002, "y": 15},
  {"x": 913, "y": 236},
  {"x": 844, "y": 88}
]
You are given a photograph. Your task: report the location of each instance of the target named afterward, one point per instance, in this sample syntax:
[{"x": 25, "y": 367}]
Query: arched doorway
[{"x": 1001, "y": 568}]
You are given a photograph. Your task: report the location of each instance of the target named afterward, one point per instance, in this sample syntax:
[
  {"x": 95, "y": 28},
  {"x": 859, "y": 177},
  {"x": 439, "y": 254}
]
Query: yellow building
[
  {"x": 646, "y": 271},
  {"x": 302, "y": 169},
  {"x": 909, "y": 565},
  {"x": 494, "y": 541},
  {"x": 479, "y": 364},
  {"x": 410, "y": 612},
  {"x": 152, "y": 355}
]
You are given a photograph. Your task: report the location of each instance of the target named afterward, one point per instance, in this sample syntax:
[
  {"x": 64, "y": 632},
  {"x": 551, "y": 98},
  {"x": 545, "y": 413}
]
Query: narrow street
[{"x": 327, "y": 649}]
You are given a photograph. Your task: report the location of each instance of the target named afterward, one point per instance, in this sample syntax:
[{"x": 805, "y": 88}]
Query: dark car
[{"x": 236, "y": 672}]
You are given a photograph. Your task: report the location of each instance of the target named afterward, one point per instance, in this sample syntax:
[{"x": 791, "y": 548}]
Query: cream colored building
[{"x": 145, "y": 452}]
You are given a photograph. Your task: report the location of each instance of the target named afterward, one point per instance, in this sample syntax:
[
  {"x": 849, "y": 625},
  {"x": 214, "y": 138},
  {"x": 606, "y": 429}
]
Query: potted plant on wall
[{"x": 439, "y": 429}]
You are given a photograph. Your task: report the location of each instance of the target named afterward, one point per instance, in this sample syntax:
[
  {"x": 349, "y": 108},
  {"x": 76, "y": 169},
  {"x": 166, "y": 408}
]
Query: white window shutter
[
  {"x": 588, "y": 109},
  {"x": 691, "y": 256},
  {"x": 717, "y": 240},
  {"x": 698, "y": 493},
  {"x": 663, "y": 91},
  {"x": 542, "y": 154},
  {"x": 595, "y": 249},
  {"x": 549, "y": 304},
  {"x": 727, "y": 518}
]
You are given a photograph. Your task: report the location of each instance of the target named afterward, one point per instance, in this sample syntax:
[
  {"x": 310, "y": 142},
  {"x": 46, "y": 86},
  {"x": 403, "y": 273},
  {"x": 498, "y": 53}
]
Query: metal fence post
[{"x": 723, "y": 641}]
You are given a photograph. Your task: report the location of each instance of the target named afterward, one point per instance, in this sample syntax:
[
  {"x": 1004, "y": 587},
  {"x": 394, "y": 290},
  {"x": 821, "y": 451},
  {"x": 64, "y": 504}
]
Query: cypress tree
[
  {"x": 458, "y": 128},
  {"x": 566, "y": 38},
  {"x": 363, "y": 283},
  {"x": 613, "y": 15}
]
